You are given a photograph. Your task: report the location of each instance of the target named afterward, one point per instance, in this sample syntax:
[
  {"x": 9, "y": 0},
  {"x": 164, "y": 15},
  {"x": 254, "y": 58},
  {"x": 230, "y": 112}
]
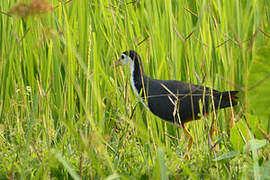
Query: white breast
[
  {"x": 132, "y": 79},
  {"x": 133, "y": 83}
]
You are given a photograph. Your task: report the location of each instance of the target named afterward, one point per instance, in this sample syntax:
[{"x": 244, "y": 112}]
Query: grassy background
[{"x": 65, "y": 112}]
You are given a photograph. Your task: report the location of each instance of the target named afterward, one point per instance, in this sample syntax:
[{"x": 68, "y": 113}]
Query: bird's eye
[{"x": 122, "y": 56}]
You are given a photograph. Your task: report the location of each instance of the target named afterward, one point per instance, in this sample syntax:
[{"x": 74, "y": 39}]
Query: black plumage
[{"x": 175, "y": 101}]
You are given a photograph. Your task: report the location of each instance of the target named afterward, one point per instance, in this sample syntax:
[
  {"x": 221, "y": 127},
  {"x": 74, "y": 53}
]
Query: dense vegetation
[{"x": 66, "y": 112}]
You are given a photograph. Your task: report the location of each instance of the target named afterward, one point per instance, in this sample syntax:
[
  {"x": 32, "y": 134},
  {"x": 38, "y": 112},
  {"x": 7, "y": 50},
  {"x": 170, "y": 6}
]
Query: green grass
[{"x": 66, "y": 113}]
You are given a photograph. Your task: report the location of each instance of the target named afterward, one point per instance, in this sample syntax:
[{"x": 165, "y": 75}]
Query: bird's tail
[{"x": 228, "y": 99}]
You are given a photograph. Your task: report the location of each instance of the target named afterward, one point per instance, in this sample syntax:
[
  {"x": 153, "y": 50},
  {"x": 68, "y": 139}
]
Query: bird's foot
[{"x": 187, "y": 156}]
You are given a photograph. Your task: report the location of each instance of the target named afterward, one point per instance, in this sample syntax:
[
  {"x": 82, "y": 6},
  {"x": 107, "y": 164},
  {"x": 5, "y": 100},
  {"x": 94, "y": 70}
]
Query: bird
[{"x": 172, "y": 100}]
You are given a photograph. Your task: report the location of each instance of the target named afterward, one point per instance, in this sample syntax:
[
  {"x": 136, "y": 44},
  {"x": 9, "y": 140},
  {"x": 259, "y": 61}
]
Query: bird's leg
[
  {"x": 190, "y": 140},
  {"x": 212, "y": 128},
  {"x": 212, "y": 133}
]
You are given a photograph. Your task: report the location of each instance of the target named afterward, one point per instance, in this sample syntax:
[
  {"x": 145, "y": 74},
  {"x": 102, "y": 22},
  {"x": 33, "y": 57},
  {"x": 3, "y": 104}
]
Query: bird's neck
[{"x": 137, "y": 77}]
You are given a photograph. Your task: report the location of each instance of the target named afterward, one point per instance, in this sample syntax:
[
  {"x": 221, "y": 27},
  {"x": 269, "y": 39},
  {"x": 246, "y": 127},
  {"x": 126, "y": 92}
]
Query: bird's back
[{"x": 174, "y": 100}]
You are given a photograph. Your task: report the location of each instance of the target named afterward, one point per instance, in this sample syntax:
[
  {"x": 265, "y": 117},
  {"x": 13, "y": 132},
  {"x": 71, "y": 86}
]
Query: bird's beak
[{"x": 117, "y": 63}]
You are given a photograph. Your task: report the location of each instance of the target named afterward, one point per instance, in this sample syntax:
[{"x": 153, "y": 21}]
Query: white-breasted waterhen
[{"x": 174, "y": 101}]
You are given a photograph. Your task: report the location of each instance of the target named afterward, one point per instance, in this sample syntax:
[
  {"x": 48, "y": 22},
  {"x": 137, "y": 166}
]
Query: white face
[{"x": 126, "y": 59}]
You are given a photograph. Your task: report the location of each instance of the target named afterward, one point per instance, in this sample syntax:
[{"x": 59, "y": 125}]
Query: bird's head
[
  {"x": 129, "y": 57},
  {"x": 132, "y": 59}
]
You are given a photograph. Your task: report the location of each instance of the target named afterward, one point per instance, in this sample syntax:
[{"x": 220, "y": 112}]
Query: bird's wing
[{"x": 182, "y": 88}]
